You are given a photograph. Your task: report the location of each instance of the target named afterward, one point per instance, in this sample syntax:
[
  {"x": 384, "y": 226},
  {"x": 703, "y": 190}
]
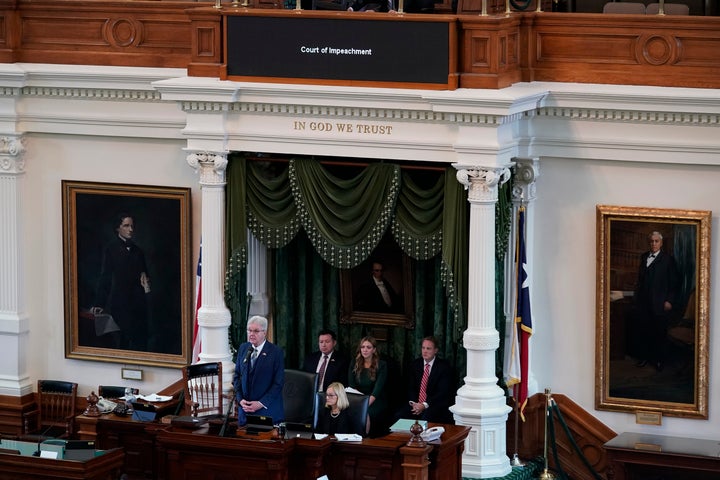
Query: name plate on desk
[{"x": 348, "y": 49}]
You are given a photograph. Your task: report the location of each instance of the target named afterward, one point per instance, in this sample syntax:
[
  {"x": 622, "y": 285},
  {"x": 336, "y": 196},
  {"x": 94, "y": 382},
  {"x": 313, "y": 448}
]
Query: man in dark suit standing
[
  {"x": 330, "y": 365},
  {"x": 259, "y": 375},
  {"x": 123, "y": 288},
  {"x": 430, "y": 387},
  {"x": 654, "y": 299}
]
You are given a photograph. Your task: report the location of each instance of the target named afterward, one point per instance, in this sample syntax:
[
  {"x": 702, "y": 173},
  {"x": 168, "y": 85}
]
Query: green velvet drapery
[{"x": 305, "y": 212}]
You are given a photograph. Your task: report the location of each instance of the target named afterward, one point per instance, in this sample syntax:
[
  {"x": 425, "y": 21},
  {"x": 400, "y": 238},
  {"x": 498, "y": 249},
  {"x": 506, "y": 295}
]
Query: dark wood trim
[{"x": 493, "y": 51}]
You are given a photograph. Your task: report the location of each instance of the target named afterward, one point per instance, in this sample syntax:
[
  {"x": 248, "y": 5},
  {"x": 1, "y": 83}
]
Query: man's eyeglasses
[{"x": 255, "y": 331}]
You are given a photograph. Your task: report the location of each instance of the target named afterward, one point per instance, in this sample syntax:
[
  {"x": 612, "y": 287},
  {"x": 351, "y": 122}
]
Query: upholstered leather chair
[
  {"x": 299, "y": 395},
  {"x": 113, "y": 392},
  {"x": 203, "y": 389},
  {"x": 55, "y": 413},
  {"x": 358, "y": 411},
  {"x": 624, "y": 7},
  {"x": 668, "y": 9}
]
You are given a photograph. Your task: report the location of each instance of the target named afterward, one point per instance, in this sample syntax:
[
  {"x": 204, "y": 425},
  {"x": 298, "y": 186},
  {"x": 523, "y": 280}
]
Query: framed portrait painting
[
  {"x": 127, "y": 279},
  {"x": 379, "y": 291},
  {"x": 653, "y": 284}
]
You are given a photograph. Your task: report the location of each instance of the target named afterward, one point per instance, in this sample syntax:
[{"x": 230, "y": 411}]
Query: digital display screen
[{"x": 338, "y": 49}]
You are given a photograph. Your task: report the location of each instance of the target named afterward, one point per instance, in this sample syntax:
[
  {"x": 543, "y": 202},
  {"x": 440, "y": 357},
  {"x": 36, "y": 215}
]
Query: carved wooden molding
[{"x": 494, "y": 51}]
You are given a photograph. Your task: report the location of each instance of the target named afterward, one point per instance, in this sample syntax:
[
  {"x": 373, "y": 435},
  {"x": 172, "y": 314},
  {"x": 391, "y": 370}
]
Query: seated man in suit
[
  {"x": 430, "y": 387},
  {"x": 330, "y": 365},
  {"x": 259, "y": 375}
]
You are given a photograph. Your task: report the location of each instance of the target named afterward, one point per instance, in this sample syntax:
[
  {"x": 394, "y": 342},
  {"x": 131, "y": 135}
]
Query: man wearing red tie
[{"x": 430, "y": 386}]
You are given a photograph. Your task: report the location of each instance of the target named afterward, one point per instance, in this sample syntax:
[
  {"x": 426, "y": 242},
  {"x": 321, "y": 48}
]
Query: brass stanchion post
[{"x": 546, "y": 475}]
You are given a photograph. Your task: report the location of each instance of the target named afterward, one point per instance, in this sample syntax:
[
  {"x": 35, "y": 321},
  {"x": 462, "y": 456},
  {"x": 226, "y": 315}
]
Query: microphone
[
  {"x": 41, "y": 439},
  {"x": 249, "y": 354},
  {"x": 231, "y": 402}
]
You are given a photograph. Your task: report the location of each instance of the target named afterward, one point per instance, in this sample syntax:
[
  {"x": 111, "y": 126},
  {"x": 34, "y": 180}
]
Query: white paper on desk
[
  {"x": 154, "y": 397},
  {"x": 320, "y": 436},
  {"x": 352, "y": 390},
  {"x": 48, "y": 454},
  {"x": 348, "y": 437}
]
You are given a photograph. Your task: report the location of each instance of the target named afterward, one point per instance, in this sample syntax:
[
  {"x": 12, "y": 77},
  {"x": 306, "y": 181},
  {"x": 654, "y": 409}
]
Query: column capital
[
  {"x": 211, "y": 165},
  {"x": 12, "y": 149},
  {"x": 527, "y": 171},
  {"x": 482, "y": 182}
]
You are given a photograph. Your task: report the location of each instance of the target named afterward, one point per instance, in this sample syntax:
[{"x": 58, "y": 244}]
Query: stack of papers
[
  {"x": 404, "y": 424},
  {"x": 353, "y": 390},
  {"x": 348, "y": 437},
  {"x": 154, "y": 397}
]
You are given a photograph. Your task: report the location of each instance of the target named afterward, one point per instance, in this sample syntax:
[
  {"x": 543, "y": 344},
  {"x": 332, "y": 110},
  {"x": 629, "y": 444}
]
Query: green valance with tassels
[{"x": 345, "y": 218}]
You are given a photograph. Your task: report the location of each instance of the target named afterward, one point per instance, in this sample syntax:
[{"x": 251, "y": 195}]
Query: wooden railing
[
  {"x": 494, "y": 51},
  {"x": 588, "y": 433}
]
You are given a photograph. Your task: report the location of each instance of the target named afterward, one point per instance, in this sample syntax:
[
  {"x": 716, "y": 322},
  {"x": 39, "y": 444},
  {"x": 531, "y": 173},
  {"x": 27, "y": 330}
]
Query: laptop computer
[
  {"x": 258, "y": 423},
  {"x": 81, "y": 450},
  {"x": 298, "y": 430}
]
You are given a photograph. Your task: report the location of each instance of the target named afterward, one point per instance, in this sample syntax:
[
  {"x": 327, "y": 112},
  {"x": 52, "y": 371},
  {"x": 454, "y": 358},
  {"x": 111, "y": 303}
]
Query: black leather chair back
[
  {"x": 358, "y": 411},
  {"x": 113, "y": 391},
  {"x": 299, "y": 396}
]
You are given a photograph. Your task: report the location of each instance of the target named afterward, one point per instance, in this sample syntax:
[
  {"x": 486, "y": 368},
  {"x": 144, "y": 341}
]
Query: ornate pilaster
[
  {"x": 14, "y": 325},
  {"x": 527, "y": 171},
  {"x": 213, "y": 315},
  {"x": 480, "y": 403}
]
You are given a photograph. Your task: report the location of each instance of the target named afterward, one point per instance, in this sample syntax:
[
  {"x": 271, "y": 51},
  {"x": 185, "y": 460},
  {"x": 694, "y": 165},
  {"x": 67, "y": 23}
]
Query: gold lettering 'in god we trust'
[{"x": 356, "y": 128}]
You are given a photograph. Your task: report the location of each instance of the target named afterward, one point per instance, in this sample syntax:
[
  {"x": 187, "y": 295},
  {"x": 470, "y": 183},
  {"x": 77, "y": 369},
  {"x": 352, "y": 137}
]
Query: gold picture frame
[
  {"x": 652, "y": 325},
  {"x": 127, "y": 273}
]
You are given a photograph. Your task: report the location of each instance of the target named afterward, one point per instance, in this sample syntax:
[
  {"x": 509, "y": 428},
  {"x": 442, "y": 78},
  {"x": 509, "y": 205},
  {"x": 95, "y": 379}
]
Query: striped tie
[
  {"x": 323, "y": 367},
  {"x": 423, "y": 384}
]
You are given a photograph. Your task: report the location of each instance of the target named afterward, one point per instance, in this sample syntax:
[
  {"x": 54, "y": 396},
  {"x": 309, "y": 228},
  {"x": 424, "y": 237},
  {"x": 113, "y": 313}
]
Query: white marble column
[
  {"x": 14, "y": 323},
  {"x": 213, "y": 316},
  {"x": 480, "y": 402}
]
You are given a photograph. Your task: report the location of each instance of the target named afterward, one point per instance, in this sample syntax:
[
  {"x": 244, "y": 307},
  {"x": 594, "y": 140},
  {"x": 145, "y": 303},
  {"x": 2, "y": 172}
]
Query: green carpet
[{"x": 530, "y": 470}]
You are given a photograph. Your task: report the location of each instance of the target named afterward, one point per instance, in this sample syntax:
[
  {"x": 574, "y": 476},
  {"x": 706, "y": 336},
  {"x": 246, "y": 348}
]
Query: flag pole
[{"x": 516, "y": 462}]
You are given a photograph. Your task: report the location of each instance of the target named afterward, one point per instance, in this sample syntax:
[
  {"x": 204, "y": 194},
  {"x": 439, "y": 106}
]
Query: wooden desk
[
  {"x": 186, "y": 454},
  {"x": 157, "y": 450},
  {"x": 136, "y": 437},
  {"x": 103, "y": 467},
  {"x": 638, "y": 456}
]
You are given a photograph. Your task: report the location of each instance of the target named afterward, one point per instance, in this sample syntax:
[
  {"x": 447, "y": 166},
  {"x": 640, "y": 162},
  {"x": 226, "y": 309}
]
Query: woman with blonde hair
[
  {"x": 335, "y": 417},
  {"x": 368, "y": 374}
]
